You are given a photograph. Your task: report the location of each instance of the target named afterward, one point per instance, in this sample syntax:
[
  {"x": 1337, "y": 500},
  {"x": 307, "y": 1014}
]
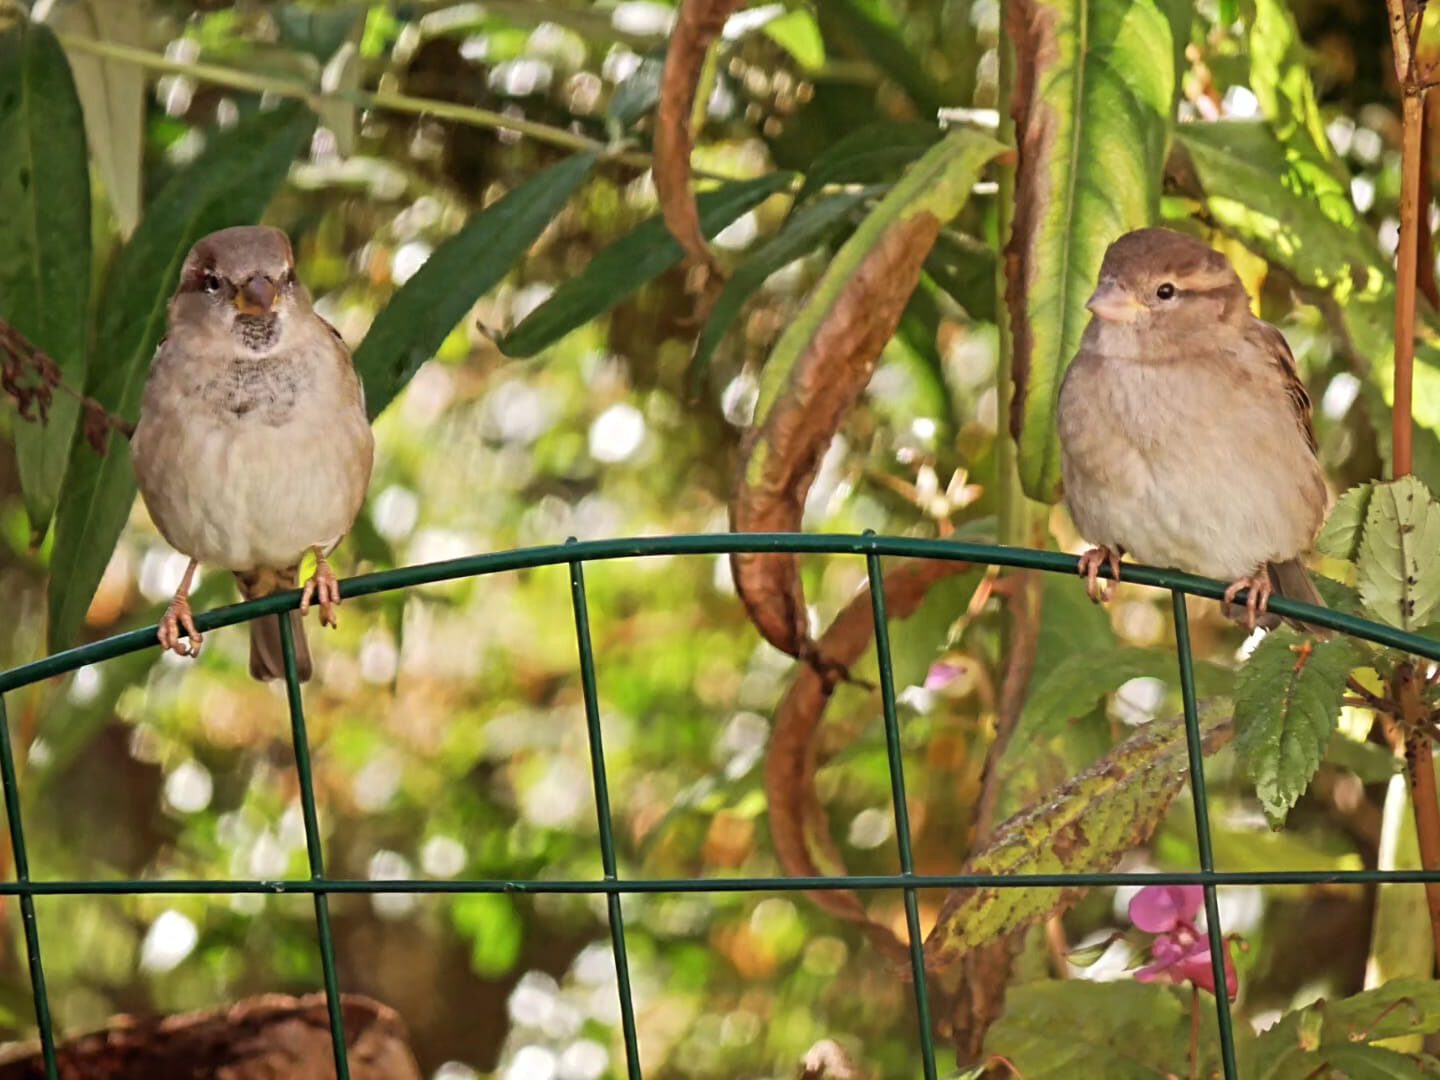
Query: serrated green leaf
[
  {"x": 1065, "y": 1030},
  {"x": 807, "y": 229},
  {"x": 1336, "y": 1035},
  {"x": 1345, "y": 526},
  {"x": 631, "y": 262},
  {"x": 464, "y": 268},
  {"x": 1089, "y": 823},
  {"x": 1092, "y": 134},
  {"x": 44, "y": 242},
  {"x": 230, "y": 183},
  {"x": 1399, "y": 571},
  {"x": 868, "y": 155},
  {"x": 1287, "y": 700}
]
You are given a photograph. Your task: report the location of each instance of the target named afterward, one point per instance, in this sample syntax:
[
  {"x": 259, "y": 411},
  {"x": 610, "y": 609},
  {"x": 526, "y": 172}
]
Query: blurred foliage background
[{"x": 447, "y": 721}]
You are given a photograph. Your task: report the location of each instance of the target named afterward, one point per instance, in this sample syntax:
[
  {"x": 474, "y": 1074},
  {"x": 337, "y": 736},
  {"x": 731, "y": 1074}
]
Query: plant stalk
[{"x": 1413, "y": 120}]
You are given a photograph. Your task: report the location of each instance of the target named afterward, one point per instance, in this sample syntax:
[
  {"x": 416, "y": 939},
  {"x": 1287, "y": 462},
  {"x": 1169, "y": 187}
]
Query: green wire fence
[{"x": 574, "y": 555}]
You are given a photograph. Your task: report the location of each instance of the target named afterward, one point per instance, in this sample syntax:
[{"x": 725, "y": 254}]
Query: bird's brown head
[
  {"x": 239, "y": 282},
  {"x": 1158, "y": 281}
]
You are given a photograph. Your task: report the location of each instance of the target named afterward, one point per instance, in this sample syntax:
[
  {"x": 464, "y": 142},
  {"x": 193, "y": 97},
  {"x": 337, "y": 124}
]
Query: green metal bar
[
  {"x": 710, "y": 544},
  {"x": 1202, "y": 832},
  {"x": 313, "y": 849},
  {"x": 650, "y": 886},
  {"x": 602, "y": 812},
  {"x": 902, "y": 813},
  {"x": 27, "y": 901}
]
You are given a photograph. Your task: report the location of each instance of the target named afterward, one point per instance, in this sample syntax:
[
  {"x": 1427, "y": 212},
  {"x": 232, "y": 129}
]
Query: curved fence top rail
[{"x": 711, "y": 544}]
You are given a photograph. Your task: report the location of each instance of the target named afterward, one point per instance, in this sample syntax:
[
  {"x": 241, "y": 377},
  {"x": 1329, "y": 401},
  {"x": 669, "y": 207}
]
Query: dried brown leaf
[
  {"x": 782, "y": 453},
  {"x": 698, "y": 23}
]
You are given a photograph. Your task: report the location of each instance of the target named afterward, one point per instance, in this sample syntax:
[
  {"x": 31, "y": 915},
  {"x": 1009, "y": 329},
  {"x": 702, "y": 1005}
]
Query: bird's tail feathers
[{"x": 267, "y": 655}]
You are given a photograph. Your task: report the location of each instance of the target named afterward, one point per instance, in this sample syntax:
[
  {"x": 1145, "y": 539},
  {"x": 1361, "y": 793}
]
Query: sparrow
[
  {"x": 1185, "y": 432},
  {"x": 253, "y": 447}
]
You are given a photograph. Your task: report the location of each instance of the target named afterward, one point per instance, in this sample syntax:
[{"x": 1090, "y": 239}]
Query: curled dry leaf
[
  {"x": 798, "y": 827},
  {"x": 697, "y": 25},
  {"x": 1093, "y": 819},
  {"x": 823, "y": 362},
  {"x": 784, "y": 452}
]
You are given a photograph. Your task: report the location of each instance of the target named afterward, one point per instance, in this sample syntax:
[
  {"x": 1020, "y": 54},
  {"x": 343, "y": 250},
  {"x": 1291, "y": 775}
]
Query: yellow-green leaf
[
  {"x": 1090, "y": 822},
  {"x": 1094, "y": 82}
]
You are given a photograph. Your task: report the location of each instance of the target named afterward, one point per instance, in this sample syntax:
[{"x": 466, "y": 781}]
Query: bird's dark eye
[
  {"x": 210, "y": 281},
  {"x": 1166, "y": 291}
]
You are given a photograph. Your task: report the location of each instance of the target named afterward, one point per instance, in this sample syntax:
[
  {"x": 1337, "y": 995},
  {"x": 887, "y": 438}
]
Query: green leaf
[
  {"x": 1063, "y": 1030},
  {"x": 796, "y": 33},
  {"x": 1344, "y": 527},
  {"x": 317, "y": 32},
  {"x": 807, "y": 229},
  {"x": 1280, "y": 77},
  {"x": 1094, "y": 84},
  {"x": 464, "y": 268},
  {"x": 112, "y": 94},
  {"x": 631, "y": 262},
  {"x": 44, "y": 242},
  {"x": 1287, "y": 700},
  {"x": 230, "y": 183},
  {"x": 1243, "y": 172},
  {"x": 868, "y": 155},
  {"x": 495, "y": 930},
  {"x": 1089, "y": 823},
  {"x": 1335, "y": 1035},
  {"x": 871, "y": 28},
  {"x": 1071, "y": 688},
  {"x": 965, "y": 269},
  {"x": 1399, "y": 559}
]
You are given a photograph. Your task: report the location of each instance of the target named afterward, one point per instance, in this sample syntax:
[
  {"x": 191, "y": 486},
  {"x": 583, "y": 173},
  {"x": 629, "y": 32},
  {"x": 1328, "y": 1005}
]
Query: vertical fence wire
[
  {"x": 902, "y": 811},
  {"x": 27, "y": 902},
  {"x": 312, "y": 846},
  {"x": 602, "y": 811},
  {"x": 1202, "y": 831}
]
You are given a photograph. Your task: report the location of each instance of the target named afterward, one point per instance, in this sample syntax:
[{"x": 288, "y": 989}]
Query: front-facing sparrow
[
  {"x": 1184, "y": 429},
  {"x": 253, "y": 446}
]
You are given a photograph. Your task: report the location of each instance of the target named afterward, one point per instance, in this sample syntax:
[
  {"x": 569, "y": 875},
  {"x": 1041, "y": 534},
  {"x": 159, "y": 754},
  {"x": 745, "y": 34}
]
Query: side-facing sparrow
[
  {"x": 253, "y": 446},
  {"x": 1184, "y": 429}
]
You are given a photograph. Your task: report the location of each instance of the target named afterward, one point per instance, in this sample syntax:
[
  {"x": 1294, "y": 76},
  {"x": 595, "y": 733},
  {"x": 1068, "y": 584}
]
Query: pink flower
[
  {"x": 942, "y": 673},
  {"x": 1179, "y": 953}
]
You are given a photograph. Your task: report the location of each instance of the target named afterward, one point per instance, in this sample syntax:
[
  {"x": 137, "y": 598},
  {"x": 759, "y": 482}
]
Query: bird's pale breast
[
  {"x": 1197, "y": 464},
  {"x": 250, "y": 462}
]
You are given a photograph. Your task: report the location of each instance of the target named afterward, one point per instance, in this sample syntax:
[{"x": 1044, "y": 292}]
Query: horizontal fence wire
[{"x": 573, "y": 555}]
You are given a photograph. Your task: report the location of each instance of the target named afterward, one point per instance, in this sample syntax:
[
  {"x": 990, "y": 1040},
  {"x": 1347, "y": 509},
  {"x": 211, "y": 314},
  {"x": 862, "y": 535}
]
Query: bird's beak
[
  {"x": 1114, "y": 303},
  {"x": 256, "y": 296}
]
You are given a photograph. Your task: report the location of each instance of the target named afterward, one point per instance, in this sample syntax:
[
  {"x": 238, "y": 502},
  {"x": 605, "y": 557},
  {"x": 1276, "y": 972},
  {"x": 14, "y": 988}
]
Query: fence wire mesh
[{"x": 575, "y": 555}]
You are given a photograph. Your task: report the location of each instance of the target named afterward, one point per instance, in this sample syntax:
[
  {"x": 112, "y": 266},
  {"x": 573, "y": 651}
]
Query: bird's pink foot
[
  {"x": 1090, "y": 564},
  {"x": 177, "y": 631},
  {"x": 1257, "y": 599},
  {"x": 324, "y": 590}
]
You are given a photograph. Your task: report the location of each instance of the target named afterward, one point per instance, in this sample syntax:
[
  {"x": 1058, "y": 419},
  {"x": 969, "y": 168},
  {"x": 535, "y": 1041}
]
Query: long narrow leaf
[
  {"x": 631, "y": 262},
  {"x": 44, "y": 240},
  {"x": 1092, "y": 98},
  {"x": 230, "y": 183},
  {"x": 412, "y": 325}
]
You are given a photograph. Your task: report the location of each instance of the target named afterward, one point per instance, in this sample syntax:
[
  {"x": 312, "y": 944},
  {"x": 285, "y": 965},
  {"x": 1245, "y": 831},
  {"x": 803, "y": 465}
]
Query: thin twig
[
  {"x": 1413, "y": 121},
  {"x": 1420, "y": 766},
  {"x": 1024, "y": 633},
  {"x": 1368, "y": 698},
  {"x": 472, "y": 115},
  {"x": 29, "y": 376}
]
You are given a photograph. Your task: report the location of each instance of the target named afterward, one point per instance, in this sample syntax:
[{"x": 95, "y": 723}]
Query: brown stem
[
  {"x": 1413, "y": 126},
  {"x": 1420, "y": 767},
  {"x": 1425, "y": 261},
  {"x": 1024, "y": 633}
]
